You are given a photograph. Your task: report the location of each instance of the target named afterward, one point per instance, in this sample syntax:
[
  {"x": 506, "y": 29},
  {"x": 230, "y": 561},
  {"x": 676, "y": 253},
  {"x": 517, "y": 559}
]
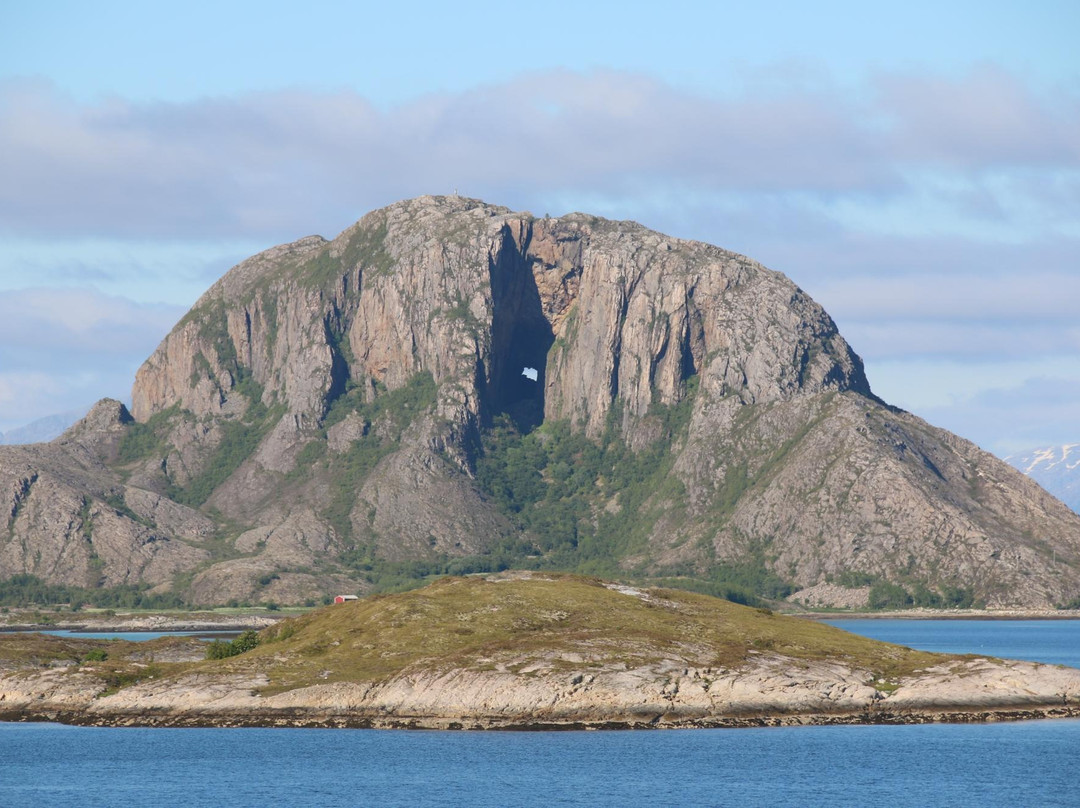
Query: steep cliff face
[
  {"x": 472, "y": 294},
  {"x": 329, "y": 405},
  {"x": 610, "y": 316}
]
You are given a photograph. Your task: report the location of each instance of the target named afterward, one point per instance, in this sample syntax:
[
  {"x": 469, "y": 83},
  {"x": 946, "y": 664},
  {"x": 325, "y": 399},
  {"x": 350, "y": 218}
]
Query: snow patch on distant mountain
[{"x": 1055, "y": 468}]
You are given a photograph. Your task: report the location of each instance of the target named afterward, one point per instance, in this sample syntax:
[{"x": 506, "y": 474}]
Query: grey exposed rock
[
  {"x": 788, "y": 460},
  {"x": 768, "y": 691},
  {"x": 64, "y": 525},
  {"x": 825, "y": 595}
]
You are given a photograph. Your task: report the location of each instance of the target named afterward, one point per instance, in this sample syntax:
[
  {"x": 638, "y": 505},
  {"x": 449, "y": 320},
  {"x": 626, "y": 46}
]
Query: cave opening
[{"x": 521, "y": 339}]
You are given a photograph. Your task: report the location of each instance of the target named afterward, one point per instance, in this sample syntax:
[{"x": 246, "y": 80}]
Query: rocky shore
[
  {"x": 283, "y": 720},
  {"x": 768, "y": 693}
]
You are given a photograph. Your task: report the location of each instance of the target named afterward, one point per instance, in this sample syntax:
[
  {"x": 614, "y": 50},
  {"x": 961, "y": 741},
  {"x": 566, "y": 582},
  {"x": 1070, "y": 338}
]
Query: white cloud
[
  {"x": 17, "y": 387},
  {"x": 937, "y": 219},
  {"x": 944, "y": 340},
  {"x": 141, "y": 270},
  {"x": 987, "y": 119},
  {"x": 276, "y": 164},
  {"x": 1028, "y": 293},
  {"x": 80, "y": 321},
  {"x": 26, "y": 395},
  {"x": 63, "y": 349},
  {"x": 1024, "y": 315},
  {"x": 922, "y": 384}
]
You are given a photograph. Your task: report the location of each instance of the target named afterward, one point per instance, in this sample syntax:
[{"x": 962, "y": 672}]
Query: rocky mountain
[
  {"x": 336, "y": 413},
  {"x": 1055, "y": 468}
]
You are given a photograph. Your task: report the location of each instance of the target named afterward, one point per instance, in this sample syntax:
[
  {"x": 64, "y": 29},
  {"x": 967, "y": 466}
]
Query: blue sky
[{"x": 915, "y": 166}]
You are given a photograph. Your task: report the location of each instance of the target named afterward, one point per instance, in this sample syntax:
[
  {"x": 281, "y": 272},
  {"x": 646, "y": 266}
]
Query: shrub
[
  {"x": 219, "y": 649},
  {"x": 27, "y": 590},
  {"x": 245, "y": 642},
  {"x": 885, "y": 595}
]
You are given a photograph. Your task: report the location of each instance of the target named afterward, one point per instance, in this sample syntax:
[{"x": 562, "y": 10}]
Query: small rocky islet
[{"x": 524, "y": 651}]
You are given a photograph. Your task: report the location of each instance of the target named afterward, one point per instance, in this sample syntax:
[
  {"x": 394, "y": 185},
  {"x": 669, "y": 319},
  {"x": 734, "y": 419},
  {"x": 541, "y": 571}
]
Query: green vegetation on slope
[
  {"x": 220, "y": 649},
  {"x": 909, "y": 592},
  {"x": 414, "y": 397},
  {"x": 539, "y": 622},
  {"x": 385, "y": 418},
  {"x": 887, "y": 595},
  {"x": 115, "y": 664},
  {"x": 578, "y": 505},
  {"x": 29, "y": 590},
  {"x": 584, "y": 506},
  {"x": 144, "y": 440},
  {"x": 366, "y": 249},
  {"x": 239, "y": 439}
]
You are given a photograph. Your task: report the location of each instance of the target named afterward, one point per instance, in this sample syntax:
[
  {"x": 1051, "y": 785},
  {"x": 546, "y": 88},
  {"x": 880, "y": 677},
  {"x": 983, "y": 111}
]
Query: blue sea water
[
  {"x": 1053, "y": 641},
  {"x": 1028, "y": 763},
  {"x": 133, "y": 636},
  {"x": 1009, "y": 764}
]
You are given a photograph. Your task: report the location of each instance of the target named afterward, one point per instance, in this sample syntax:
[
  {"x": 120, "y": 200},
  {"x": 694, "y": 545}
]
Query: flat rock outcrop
[{"x": 641, "y": 698}]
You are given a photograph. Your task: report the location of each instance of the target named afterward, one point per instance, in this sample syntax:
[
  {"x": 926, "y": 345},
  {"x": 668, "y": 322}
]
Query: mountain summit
[{"x": 450, "y": 385}]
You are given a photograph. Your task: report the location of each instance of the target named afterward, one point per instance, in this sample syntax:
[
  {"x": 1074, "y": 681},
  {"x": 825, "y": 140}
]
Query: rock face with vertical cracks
[{"x": 326, "y": 402}]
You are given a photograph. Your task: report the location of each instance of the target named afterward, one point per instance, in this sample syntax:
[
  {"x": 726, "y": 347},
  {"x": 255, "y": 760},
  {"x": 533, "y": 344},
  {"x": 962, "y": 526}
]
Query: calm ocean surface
[
  {"x": 1053, "y": 641},
  {"x": 133, "y": 636},
  {"x": 1014, "y": 764}
]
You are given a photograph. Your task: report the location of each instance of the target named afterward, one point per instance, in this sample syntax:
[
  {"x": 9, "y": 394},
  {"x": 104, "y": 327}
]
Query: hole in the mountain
[
  {"x": 519, "y": 376},
  {"x": 521, "y": 338}
]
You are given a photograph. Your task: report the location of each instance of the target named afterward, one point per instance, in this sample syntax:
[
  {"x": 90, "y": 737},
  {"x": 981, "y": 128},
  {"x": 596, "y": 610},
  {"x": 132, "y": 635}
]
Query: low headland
[{"x": 522, "y": 651}]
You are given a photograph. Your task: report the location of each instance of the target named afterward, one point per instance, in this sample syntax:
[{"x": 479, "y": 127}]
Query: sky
[{"x": 915, "y": 167}]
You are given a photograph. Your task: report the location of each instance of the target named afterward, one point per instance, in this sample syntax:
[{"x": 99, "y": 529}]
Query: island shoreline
[{"x": 280, "y": 720}]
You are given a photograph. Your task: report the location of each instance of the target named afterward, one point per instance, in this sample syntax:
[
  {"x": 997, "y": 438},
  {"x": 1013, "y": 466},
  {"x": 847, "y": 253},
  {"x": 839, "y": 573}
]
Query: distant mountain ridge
[
  {"x": 336, "y": 415},
  {"x": 1055, "y": 468},
  {"x": 42, "y": 430}
]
